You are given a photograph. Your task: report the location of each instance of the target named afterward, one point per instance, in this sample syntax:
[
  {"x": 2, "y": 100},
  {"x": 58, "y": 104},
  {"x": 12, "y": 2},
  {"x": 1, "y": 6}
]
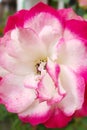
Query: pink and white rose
[{"x": 43, "y": 66}]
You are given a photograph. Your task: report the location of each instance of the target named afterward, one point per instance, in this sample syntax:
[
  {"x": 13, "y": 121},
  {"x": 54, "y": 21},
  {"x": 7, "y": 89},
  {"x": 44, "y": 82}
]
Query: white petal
[
  {"x": 31, "y": 42},
  {"x": 37, "y": 113},
  {"x": 3, "y": 72},
  {"x": 48, "y": 91},
  {"x": 71, "y": 53},
  {"x": 74, "y": 87},
  {"x": 14, "y": 95},
  {"x": 39, "y": 21}
]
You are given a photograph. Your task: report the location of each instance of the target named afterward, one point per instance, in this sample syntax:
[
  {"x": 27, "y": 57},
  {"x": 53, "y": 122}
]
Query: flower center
[{"x": 40, "y": 66}]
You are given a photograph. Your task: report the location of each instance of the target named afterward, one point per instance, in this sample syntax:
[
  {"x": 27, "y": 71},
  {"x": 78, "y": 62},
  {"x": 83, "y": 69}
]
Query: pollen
[{"x": 40, "y": 66}]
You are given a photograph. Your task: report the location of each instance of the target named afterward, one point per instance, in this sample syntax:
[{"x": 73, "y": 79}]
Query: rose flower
[{"x": 43, "y": 66}]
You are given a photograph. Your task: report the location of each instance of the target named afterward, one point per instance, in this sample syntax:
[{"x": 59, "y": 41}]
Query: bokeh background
[{"x": 9, "y": 121}]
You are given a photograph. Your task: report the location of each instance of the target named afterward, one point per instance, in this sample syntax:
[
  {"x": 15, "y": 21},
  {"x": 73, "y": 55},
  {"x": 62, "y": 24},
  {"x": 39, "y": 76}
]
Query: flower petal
[
  {"x": 17, "y": 20},
  {"x": 53, "y": 70},
  {"x": 37, "y": 113},
  {"x": 3, "y": 72},
  {"x": 72, "y": 53},
  {"x": 69, "y": 14},
  {"x": 31, "y": 42},
  {"x": 13, "y": 65},
  {"x": 57, "y": 120},
  {"x": 30, "y": 48},
  {"x": 72, "y": 27},
  {"x": 13, "y": 46},
  {"x": 74, "y": 86},
  {"x": 48, "y": 31},
  {"x": 43, "y": 15},
  {"x": 14, "y": 95},
  {"x": 83, "y": 110},
  {"x": 31, "y": 81},
  {"x": 24, "y": 18},
  {"x": 48, "y": 91}
]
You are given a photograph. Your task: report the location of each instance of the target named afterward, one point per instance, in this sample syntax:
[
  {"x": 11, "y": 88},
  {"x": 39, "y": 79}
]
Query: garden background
[{"x": 9, "y": 121}]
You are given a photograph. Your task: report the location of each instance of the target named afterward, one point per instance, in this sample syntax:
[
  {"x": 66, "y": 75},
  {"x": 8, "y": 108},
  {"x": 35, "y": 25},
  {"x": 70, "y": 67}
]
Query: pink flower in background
[
  {"x": 82, "y": 3},
  {"x": 43, "y": 66}
]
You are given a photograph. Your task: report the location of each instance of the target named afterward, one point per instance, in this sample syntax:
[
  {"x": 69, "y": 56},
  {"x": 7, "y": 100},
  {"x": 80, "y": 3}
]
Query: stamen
[
  {"x": 40, "y": 66},
  {"x": 37, "y": 70}
]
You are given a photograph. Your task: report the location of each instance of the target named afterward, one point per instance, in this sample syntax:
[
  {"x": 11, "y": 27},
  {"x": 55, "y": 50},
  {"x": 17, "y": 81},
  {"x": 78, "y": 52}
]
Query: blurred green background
[{"x": 9, "y": 121}]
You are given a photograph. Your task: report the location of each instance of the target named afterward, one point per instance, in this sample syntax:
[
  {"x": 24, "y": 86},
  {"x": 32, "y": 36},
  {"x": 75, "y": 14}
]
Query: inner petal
[
  {"x": 31, "y": 42},
  {"x": 45, "y": 34},
  {"x": 30, "y": 47},
  {"x": 48, "y": 91}
]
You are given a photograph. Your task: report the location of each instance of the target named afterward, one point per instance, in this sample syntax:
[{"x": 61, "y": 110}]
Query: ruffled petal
[
  {"x": 17, "y": 20},
  {"x": 71, "y": 28},
  {"x": 43, "y": 15},
  {"x": 37, "y": 113},
  {"x": 58, "y": 120},
  {"x": 20, "y": 54},
  {"x": 83, "y": 111},
  {"x": 69, "y": 14},
  {"x": 47, "y": 90},
  {"x": 13, "y": 46},
  {"x": 31, "y": 42},
  {"x": 48, "y": 31},
  {"x": 53, "y": 70},
  {"x": 74, "y": 86},
  {"x": 14, "y": 95},
  {"x": 31, "y": 81},
  {"x": 72, "y": 53},
  {"x": 29, "y": 18},
  {"x": 3, "y": 72},
  {"x": 13, "y": 65}
]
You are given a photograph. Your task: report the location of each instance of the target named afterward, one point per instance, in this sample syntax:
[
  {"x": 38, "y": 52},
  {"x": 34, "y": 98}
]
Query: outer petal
[
  {"x": 75, "y": 87},
  {"x": 72, "y": 27},
  {"x": 43, "y": 19},
  {"x": 20, "y": 42},
  {"x": 13, "y": 46},
  {"x": 69, "y": 14},
  {"x": 43, "y": 15},
  {"x": 58, "y": 120},
  {"x": 83, "y": 110},
  {"x": 17, "y": 20},
  {"x": 72, "y": 53},
  {"x": 11, "y": 53},
  {"x": 13, "y": 65},
  {"x": 37, "y": 113},
  {"x": 24, "y": 18},
  {"x": 14, "y": 95}
]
